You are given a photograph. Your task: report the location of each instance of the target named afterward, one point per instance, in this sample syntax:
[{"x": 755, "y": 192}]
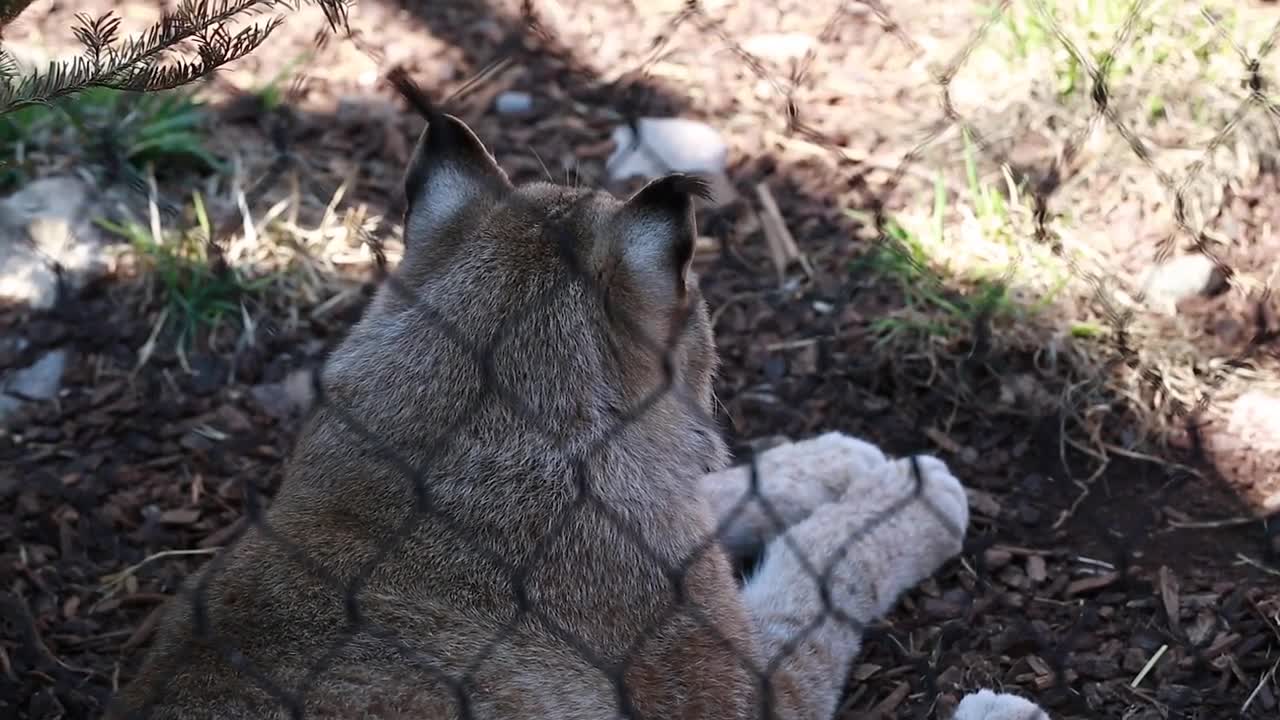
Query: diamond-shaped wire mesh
[{"x": 1054, "y": 663}]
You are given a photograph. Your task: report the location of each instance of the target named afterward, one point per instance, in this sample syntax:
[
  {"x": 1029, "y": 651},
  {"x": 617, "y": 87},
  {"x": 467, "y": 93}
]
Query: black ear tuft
[
  {"x": 676, "y": 190},
  {"x": 449, "y": 170},
  {"x": 412, "y": 94}
]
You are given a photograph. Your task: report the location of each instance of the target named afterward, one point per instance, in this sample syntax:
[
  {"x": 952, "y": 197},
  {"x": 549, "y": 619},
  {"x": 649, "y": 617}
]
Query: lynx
[{"x": 512, "y": 501}]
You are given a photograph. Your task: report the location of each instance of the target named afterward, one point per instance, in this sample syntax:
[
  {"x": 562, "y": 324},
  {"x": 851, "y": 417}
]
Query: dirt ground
[{"x": 1141, "y": 588}]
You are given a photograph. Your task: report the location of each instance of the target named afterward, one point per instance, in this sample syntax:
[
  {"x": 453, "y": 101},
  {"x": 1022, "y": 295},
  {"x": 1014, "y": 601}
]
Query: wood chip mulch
[{"x": 1138, "y": 593}]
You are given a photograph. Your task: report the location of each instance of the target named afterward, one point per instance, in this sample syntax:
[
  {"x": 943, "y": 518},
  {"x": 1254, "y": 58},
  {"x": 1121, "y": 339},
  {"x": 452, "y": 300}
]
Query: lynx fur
[{"x": 506, "y": 503}]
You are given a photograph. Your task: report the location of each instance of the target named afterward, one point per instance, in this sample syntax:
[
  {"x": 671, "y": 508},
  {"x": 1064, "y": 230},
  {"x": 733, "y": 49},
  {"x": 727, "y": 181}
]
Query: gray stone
[
  {"x": 39, "y": 381},
  {"x": 287, "y": 399},
  {"x": 273, "y": 399},
  {"x": 46, "y": 227},
  {"x": 513, "y": 102}
]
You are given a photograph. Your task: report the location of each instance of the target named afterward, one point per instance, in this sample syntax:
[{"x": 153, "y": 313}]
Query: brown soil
[{"x": 1071, "y": 580}]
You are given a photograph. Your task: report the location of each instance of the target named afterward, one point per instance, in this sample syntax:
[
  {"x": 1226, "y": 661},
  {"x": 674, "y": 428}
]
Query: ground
[{"x": 1112, "y": 568}]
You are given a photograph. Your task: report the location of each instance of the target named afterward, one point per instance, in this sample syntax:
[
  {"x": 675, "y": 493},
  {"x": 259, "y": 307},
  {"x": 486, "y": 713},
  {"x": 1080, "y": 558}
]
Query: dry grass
[
  {"x": 289, "y": 256},
  {"x": 967, "y": 218},
  {"x": 1177, "y": 88}
]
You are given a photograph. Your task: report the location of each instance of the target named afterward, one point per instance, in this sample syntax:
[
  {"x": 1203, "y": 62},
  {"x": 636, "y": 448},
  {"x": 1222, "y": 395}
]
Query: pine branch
[
  {"x": 138, "y": 63},
  {"x": 8, "y": 66}
]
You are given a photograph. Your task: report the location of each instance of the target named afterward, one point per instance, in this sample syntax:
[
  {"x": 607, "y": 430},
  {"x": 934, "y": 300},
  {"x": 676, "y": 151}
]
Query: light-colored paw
[
  {"x": 933, "y": 491},
  {"x": 829, "y": 462},
  {"x": 792, "y": 481},
  {"x": 988, "y": 705},
  {"x": 853, "y": 456},
  {"x": 939, "y": 490},
  {"x": 918, "y": 524}
]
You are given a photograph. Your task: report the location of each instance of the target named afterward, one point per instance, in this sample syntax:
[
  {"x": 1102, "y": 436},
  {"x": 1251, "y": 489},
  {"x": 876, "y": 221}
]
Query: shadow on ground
[{"x": 1061, "y": 586}]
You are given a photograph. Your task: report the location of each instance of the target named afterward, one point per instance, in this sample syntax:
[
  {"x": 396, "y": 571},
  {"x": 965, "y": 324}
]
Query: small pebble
[
  {"x": 996, "y": 558},
  {"x": 513, "y": 102}
]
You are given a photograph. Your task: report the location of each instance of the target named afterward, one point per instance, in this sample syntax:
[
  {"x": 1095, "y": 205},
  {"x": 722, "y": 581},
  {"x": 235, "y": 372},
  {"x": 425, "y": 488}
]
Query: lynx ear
[
  {"x": 658, "y": 234},
  {"x": 450, "y": 169}
]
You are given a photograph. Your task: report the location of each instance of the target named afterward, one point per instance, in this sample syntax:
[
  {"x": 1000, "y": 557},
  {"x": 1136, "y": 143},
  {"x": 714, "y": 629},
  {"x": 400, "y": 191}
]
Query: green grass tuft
[
  {"x": 1167, "y": 37},
  {"x": 199, "y": 295},
  {"x": 166, "y": 130},
  {"x": 943, "y": 267}
]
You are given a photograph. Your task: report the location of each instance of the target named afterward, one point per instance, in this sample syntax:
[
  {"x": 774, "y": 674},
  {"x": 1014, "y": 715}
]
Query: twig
[
  {"x": 114, "y": 579},
  {"x": 1096, "y": 563},
  {"x": 1147, "y": 668},
  {"x": 1212, "y": 524},
  {"x": 1103, "y": 459},
  {"x": 793, "y": 344},
  {"x": 782, "y": 245},
  {"x": 1272, "y": 624},
  {"x": 1261, "y": 683},
  {"x": 1250, "y": 561},
  {"x": 1075, "y": 505},
  {"x": 149, "y": 347},
  {"x": 1153, "y": 459}
]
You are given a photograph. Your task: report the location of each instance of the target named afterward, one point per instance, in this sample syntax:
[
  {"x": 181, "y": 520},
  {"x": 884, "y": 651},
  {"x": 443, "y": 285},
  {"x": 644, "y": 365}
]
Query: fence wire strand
[{"x": 1061, "y": 691}]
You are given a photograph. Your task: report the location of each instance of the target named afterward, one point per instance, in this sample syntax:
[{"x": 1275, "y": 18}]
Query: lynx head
[{"x": 537, "y": 310}]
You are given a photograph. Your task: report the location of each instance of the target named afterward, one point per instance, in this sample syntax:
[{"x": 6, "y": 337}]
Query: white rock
[
  {"x": 44, "y": 226},
  {"x": 1254, "y": 423},
  {"x": 779, "y": 47},
  {"x": 988, "y": 705},
  {"x": 39, "y": 381},
  {"x": 513, "y": 102},
  {"x": 667, "y": 145},
  {"x": 1247, "y": 450},
  {"x": 672, "y": 145},
  {"x": 1176, "y": 280}
]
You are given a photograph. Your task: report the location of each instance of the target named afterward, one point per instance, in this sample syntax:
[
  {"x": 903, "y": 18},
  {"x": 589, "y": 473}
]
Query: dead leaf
[
  {"x": 182, "y": 516},
  {"x": 889, "y": 704},
  {"x": 983, "y": 503},
  {"x": 864, "y": 671},
  {"x": 1169, "y": 594},
  {"x": 782, "y": 246},
  {"x": 943, "y": 440},
  {"x": 1089, "y": 584},
  {"x": 995, "y": 558},
  {"x": 1036, "y": 569},
  {"x": 1038, "y": 665}
]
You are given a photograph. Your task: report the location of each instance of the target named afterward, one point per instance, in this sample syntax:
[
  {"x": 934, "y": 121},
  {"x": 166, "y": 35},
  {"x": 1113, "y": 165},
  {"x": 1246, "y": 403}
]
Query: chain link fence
[{"x": 1224, "y": 648}]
